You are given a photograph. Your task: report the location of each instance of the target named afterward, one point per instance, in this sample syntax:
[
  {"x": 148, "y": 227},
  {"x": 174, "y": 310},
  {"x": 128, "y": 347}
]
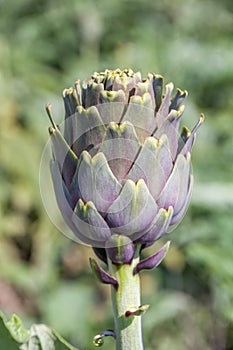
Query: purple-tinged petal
[
  {"x": 158, "y": 90},
  {"x": 91, "y": 93},
  {"x": 133, "y": 211},
  {"x": 70, "y": 99},
  {"x": 112, "y": 96},
  {"x": 89, "y": 131},
  {"x": 184, "y": 135},
  {"x": 153, "y": 260},
  {"x": 100, "y": 77},
  {"x": 109, "y": 79},
  {"x": 137, "y": 77},
  {"x": 126, "y": 81},
  {"x": 90, "y": 223},
  {"x": 187, "y": 140},
  {"x": 179, "y": 215},
  {"x": 102, "y": 275},
  {"x": 170, "y": 128},
  {"x": 163, "y": 111},
  {"x": 94, "y": 181},
  {"x": 120, "y": 84},
  {"x": 176, "y": 188},
  {"x": 65, "y": 157},
  {"x": 62, "y": 195},
  {"x": 120, "y": 147},
  {"x": 64, "y": 200},
  {"x": 112, "y": 106},
  {"x": 146, "y": 86},
  {"x": 143, "y": 87},
  {"x": 140, "y": 113},
  {"x": 120, "y": 249},
  {"x": 158, "y": 227},
  {"x": 78, "y": 89},
  {"x": 178, "y": 100},
  {"x": 156, "y": 172},
  {"x": 144, "y": 100}
]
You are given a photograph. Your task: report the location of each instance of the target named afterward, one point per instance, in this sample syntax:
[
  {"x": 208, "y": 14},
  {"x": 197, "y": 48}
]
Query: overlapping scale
[
  {"x": 180, "y": 213},
  {"x": 158, "y": 226},
  {"x": 120, "y": 147},
  {"x": 175, "y": 191},
  {"x": 178, "y": 99},
  {"x": 153, "y": 164},
  {"x": 91, "y": 94},
  {"x": 64, "y": 202},
  {"x": 90, "y": 223},
  {"x": 188, "y": 139},
  {"x": 66, "y": 158},
  {"x": 163, "y": 110},
  {"x": 170, "y": 128},
  {"x": 133, "y": 211},
  {"x": 94, "y": 181},
  {"x": 140, "y": 114},
  {"x": 90, "y": 130}
]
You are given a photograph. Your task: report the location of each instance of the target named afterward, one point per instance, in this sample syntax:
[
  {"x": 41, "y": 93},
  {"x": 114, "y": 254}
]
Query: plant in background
[{"x": 122, "y": 179}]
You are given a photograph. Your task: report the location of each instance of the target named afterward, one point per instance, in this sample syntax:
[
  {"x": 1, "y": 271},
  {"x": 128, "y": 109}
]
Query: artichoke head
[{"x": 121, "y": 166}]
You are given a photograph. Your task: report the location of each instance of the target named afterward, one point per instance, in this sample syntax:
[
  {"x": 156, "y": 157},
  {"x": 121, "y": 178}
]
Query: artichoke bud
[{"x": 121, "y": 167}]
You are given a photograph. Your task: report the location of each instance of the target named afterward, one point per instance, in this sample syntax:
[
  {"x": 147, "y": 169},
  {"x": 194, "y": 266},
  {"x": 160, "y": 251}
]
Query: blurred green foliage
[
  {"x": 44, "y": 47},
  {"x": 13, "y": 336}
]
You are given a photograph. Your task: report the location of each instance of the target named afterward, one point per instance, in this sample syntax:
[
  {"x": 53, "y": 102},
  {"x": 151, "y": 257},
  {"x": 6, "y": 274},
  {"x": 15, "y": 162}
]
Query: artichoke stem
[{"x": 128, "y": 329}]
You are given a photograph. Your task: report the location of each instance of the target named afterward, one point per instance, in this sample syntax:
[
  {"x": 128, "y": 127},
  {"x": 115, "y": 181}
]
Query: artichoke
[{"x": 120, "y": 169}]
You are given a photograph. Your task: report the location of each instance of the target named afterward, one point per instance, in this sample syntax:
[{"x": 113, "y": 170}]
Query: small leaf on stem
[
  {"x": 102, "y": 275},
  {"x": 137, "y": 311},
  {"x": 153, "y": 260}
]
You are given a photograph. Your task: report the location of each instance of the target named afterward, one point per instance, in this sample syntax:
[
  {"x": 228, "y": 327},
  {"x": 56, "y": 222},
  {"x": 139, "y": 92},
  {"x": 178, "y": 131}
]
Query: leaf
[
  {"x": 44, "y": 338},
  {"x": 15, "y": 327},
  {"x": 7, "y": 341},
  {"x": 13, "y": 336}
]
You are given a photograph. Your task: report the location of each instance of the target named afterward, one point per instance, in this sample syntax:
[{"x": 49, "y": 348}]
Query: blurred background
[{"x": 45, "y": 277}]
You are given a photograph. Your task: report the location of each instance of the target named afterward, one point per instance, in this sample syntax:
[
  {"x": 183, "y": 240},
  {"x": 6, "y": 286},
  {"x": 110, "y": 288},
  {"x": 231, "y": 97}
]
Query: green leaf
[
  {"x": 13, "y": 336},
  {"x": 7, "y": 341},
  {"x": 44, "y": 338},
  {"x": 15, "y": 327}
]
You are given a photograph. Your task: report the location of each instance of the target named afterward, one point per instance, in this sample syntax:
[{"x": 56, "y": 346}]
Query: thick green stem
[{"x": 128, "y": 330}]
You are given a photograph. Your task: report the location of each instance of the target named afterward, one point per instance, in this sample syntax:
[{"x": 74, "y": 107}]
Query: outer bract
[{"x": 120, "y": 168}]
